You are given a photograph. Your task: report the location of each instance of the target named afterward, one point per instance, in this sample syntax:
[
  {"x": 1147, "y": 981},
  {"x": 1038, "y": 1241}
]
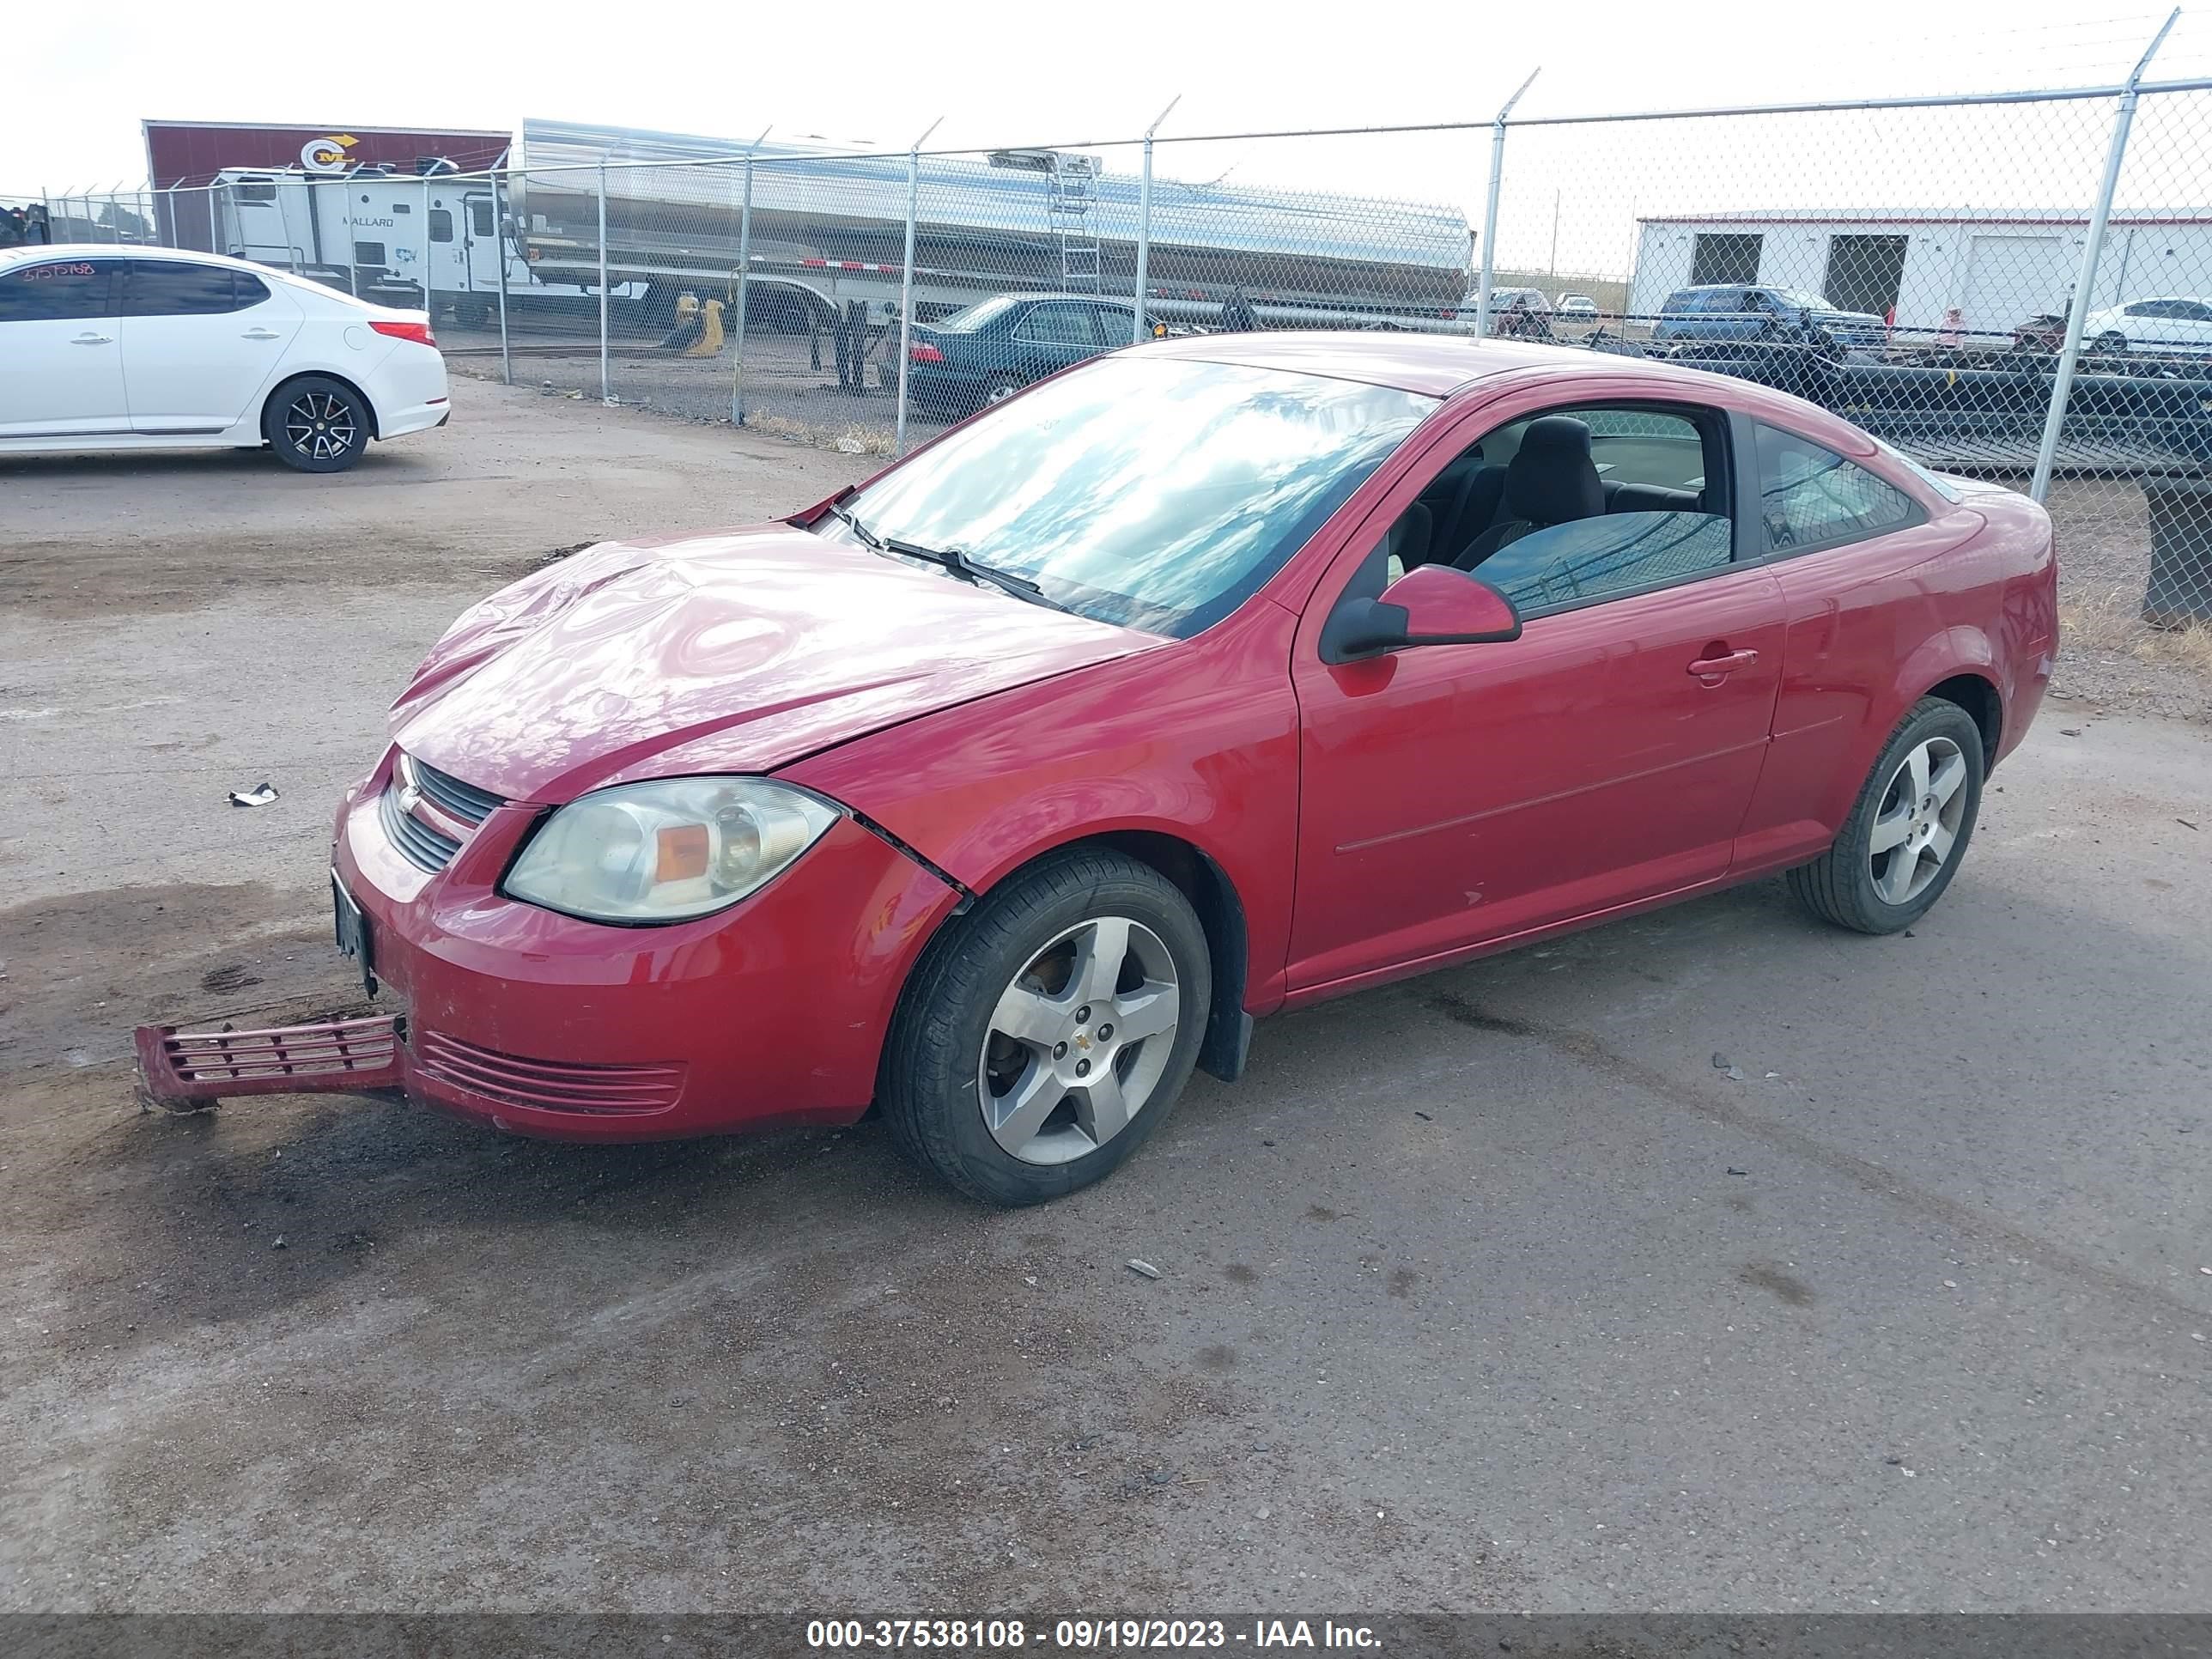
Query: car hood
[{"x": 737, "y": 652}]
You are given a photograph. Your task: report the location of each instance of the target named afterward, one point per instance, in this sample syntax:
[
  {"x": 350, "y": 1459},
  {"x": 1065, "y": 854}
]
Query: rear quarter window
[{"x": 1811, "y": 497}]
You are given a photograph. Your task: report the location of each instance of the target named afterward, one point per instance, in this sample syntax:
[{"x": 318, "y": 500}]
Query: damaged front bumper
[{"x": 185, "y": 1071}]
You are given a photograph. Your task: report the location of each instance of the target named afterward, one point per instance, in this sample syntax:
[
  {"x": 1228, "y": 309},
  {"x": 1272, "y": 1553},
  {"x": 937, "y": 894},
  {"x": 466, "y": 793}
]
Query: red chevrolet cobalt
[{"x": 1212, "y": 677}]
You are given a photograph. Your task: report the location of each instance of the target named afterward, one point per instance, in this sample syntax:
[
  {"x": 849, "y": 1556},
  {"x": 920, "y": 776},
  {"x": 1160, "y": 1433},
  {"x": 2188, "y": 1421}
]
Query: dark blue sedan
[{"x": 992, "y": 349}]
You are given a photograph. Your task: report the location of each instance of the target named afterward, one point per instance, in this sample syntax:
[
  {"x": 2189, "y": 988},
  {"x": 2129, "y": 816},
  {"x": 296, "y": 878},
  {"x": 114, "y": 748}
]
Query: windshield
[
  {"x": 1156, "y": 494},
  {"x": 969, "y": 318}
]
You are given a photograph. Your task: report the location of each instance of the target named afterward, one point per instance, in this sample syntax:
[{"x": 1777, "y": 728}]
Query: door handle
[
  {"x": 259, "y": 334},
  {"x": 1714, "y": 668},
  {"x": 94, "y": 339}
]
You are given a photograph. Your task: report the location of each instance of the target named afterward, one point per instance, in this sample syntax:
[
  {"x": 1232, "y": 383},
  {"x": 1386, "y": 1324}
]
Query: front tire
[
  {"x": 317, "y": 424},
  {"x": 1047, "y": 1035},
  {"x": 1908, "y": 830}
]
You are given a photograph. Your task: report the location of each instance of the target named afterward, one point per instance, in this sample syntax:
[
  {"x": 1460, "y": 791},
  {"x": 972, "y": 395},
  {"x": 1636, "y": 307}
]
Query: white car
[
  {"x": 104, "y": 348},
  {"x": 1577, "y": 305},
  {"x": 2179, "y": 326}
]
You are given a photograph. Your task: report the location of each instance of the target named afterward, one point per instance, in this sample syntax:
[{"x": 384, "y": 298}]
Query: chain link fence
[{"x": 2017, "y": 287}]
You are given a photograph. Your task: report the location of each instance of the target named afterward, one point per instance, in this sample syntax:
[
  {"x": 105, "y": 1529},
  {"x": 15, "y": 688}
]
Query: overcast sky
[{"x": 80, "y": 80}]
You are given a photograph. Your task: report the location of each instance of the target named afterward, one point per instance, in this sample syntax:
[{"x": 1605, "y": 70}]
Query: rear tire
[
  {"x": 997, "y": 390},
  {"x": 1005, "y": 1072},
  {"x": 1918, "y": 806},
  {"x": 316, "y": 424}
]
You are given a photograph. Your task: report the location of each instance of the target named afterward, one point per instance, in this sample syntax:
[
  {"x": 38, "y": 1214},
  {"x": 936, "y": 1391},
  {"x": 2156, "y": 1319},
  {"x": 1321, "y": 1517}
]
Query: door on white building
[{"x": 2011, "y": 279}]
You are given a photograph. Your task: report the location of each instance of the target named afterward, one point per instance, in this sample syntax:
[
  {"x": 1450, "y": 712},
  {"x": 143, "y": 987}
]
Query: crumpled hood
[{"x": 737, "y": 652}]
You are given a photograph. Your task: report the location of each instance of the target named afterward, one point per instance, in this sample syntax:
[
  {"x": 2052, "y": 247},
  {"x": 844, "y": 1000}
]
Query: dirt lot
[{"x": 1707, "y": 1262}]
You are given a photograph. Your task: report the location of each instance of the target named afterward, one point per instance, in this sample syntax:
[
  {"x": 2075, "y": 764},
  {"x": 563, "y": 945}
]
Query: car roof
[
  {"x": 1435, "y": 364},
  {"x": 35, "y": 252},
  {"x": 1439, "y": 365}
]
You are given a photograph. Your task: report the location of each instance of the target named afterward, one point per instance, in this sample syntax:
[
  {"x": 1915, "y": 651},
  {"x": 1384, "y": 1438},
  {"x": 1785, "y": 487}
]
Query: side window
[
  {"x": 442, "y": 225},
  {"x": 1599, "y": 502},
  {"x": 249, "y": 290},
  {"x": 369, "y": 253},
  {"x": 1058, "y": 326},
  {"x": 1810, "y": 497},
  {"x": 58, "y": 289},
  {"x": 1112, "y": 326},
  {"x": 480, "y": 220},
  {"x": 169, "y": 288}
]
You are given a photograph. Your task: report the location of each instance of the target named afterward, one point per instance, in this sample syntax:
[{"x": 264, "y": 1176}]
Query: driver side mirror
[{"x": 1429, "y": 605}]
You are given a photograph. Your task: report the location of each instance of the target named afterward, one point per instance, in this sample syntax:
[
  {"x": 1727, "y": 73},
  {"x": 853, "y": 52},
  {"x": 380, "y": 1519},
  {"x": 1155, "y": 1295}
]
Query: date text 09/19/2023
[{"x": 1085, "y": 1635}]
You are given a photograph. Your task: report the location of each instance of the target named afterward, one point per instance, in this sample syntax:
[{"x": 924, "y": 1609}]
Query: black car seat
[
  {"x": 1650, "y": 498},
  {"x": 1550, "y": 480},
  {"x": 1475, "y": 498}
]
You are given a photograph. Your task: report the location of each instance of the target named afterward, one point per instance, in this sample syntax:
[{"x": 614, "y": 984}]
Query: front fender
[{"x": 1199, "y": 744}]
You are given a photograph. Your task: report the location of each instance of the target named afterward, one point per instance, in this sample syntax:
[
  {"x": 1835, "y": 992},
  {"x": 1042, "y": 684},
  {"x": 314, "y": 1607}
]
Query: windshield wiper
[
  {"x": 868, "y": 537},
  {"x": 952, "y": 559}
]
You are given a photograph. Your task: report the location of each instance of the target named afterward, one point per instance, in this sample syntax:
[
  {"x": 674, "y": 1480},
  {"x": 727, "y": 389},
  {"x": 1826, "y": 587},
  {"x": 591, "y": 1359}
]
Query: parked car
[
  {"x": 1005, "y": 788},
  {"x": 2045, "y": 331},
  {"x": 101, "y": 350},
  {"x": 2175, "y": 327},
  {"x": 988, "y": 351},
  {"x": 1579, "y": 307},
  {"x": 1735, "y": 311},
  {"x": 1520, "y": 313}
]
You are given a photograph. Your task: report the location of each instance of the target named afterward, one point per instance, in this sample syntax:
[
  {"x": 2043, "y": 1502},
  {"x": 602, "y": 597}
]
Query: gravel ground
[{"x": 1711, "y": 1261}]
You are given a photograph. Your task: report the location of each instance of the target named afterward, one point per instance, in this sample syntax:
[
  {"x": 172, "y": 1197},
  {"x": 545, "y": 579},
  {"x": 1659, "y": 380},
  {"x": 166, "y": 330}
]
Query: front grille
[
  {"x": 545, "y": 1085},
  {"x": 422, "y": 845},
  {"x": 463, "y": 800}
]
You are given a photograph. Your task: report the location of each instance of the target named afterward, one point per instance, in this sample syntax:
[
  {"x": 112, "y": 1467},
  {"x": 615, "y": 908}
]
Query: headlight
[{"x": 668, "y": 850}]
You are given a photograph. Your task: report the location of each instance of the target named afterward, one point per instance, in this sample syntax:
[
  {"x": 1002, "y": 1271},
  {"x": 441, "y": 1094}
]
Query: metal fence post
[
  {"x": 745, "y": 286},
  {"x": 1145, "y": 222},
  {"x": 2092, "y": 247},
  {"x": 906, "y": 281},
  {"x": 430, "y": 267},
  {"x": 606, "y": 385},
  {"x": 1490, "y": 209},
  {"x": 499, "y": 222}
]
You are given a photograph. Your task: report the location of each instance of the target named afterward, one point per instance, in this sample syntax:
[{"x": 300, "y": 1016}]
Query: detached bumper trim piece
[{"x": 341, "y": 1056}]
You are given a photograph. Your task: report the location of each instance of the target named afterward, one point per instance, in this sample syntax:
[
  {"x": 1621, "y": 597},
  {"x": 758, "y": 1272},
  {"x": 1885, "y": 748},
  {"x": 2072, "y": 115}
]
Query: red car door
[{"x": 1456, "y": 796}]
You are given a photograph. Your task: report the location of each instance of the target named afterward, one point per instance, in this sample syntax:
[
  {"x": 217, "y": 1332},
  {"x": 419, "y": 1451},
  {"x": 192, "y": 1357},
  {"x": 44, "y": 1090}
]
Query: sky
[{"x": 874, "y": 74}]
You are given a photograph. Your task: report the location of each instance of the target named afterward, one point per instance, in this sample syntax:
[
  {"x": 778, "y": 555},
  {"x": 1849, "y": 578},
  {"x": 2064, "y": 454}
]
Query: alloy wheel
[
  {"x": 320, "y": 426},
  {"x": 1078, "y": 1040},
  {"x": 1915, "y": 828}
]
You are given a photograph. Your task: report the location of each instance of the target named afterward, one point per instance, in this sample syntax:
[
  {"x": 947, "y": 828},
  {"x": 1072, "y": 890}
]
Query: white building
[{"x": 1997, "y": 266}]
